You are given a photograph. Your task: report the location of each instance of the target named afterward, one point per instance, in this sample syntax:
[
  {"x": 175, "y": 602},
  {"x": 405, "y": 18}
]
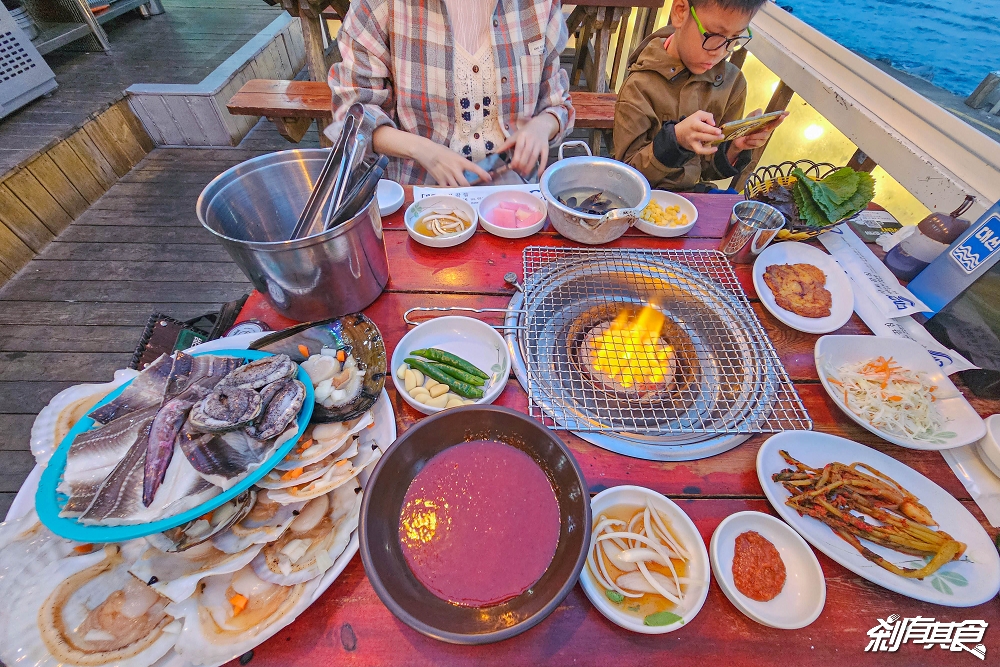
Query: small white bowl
[
  {"x": 988, "y": 447},
  {"x": 683, "y": 529},
  {"x": 417, "y": 208},
  {"x": 803, "y": 597},
  {"x": 665, "y": 199},
  {"x": 490, "y": 202},
  {"x": 390, "y": 197},
  {"x": 474, "y": 341}
]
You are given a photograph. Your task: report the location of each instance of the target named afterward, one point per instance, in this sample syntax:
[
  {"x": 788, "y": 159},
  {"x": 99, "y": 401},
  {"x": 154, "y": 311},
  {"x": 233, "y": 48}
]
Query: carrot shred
[
  {"x": 239, "y": 603},
  {"x": 292, "y": 474},
  {"x": 207, "y": 516},
  {"x": 304, "y": 351},
  {"x": 305, "y": 445},
  {"x": 83, "y": 548},
  {"x": 341, "y": 356}
]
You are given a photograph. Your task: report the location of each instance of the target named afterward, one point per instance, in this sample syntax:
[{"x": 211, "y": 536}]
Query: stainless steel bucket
[{"x": 252, "y": 208}]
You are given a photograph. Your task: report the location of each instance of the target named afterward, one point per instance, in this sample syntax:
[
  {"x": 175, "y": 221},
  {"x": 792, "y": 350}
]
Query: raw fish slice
[
  {"x": 341, "y": 473},
  {"x": 145, "y": 391},
  {"x": 65, "y": 409},
  {"x": 309, "y": 547},
  {"x": 176, "y": 575},
  {"x": 225, "y": 458},
  {"x": 277, "y": 479},
  {"x": 203, "y": 373},
  {"x": 86, "y": 611},
  {"x": 335, "y": 436},
  {"x": 214, "y": 633},
  {"x": 121, "y": 493},
  {"x": 265, "y": 523},
  {"x": 94, "y": 454}
]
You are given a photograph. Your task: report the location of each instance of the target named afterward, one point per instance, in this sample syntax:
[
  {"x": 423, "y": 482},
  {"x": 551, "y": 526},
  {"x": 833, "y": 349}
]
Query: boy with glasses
[{"x": 680, "y": 89}]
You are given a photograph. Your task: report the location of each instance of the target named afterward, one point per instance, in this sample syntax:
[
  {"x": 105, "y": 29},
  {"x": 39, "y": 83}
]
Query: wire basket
[{"x": 765, "y": 178}]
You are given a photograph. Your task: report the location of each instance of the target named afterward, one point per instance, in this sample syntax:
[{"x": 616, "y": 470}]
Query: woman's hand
[
  {"x": 444, "y": 165},
  {"x": 447, "y": 167},
  {"x": 531, "y": 144},
  {"x": 697, "y": 132}
]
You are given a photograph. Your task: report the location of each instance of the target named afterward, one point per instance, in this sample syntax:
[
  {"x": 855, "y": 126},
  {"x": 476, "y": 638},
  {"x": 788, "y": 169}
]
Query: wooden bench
[{"x": 293, "y": 105}]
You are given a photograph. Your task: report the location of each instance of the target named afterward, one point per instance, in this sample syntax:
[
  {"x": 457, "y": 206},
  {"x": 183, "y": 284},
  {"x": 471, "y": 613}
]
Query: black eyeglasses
[{"x": 713, "y": 42}]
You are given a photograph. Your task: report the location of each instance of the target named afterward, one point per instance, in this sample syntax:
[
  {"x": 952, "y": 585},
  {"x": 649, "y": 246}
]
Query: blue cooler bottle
[{"x": 970, "y": 256}]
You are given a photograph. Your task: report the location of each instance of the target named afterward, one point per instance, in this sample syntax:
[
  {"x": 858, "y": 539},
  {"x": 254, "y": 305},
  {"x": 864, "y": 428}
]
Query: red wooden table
[{"x": 349, "y": 625}]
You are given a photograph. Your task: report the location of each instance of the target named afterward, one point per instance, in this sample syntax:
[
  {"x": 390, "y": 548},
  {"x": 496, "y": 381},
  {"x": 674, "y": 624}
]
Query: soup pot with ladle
[{"x": 603, "y": 175}]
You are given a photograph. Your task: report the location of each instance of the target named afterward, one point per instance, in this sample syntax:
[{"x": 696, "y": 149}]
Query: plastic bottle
[{"x": 932, "y": 237}]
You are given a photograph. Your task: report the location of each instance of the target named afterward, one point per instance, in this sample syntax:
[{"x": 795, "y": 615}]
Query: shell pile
[{"x": 205, "y": 592}]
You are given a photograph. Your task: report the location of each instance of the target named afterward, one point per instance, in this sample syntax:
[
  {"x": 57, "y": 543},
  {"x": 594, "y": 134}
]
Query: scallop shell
[
  {"x": 176, "y": 575},
  {"x": 323, "y": 542},
  {"x": 340, "y": 473},
  {"x": 265, "y": 523},
  {"x": 356, "y": 332},
  {"x": 26, "y": 549},
  {"x": 42, "y": 626},
  {"x": 212, "y": 634},
  {"x": 65, "y": 409},
  {"x": 336, "y": 436}
]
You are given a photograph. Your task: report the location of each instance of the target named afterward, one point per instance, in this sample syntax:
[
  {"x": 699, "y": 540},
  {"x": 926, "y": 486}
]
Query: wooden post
[
  {"x": 779, "y": 102},
  {"x": 619, "y": 47},
  {"x": 312, "y": 36},
  {"x": 980, "y": 96},
  {"x": 861, "y": 162}
]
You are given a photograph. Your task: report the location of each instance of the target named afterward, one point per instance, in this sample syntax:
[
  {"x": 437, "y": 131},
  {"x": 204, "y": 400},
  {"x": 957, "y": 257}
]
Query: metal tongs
[{"x": 324, "y": 193}]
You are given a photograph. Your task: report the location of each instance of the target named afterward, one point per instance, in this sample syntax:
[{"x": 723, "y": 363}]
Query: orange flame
[{"x": 631, "y": 351}]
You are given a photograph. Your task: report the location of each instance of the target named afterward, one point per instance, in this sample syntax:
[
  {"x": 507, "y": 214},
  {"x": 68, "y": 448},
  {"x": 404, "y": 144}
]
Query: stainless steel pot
[
  {"x": 598, "y": 172},
  {"x": 252, "y": 208}
]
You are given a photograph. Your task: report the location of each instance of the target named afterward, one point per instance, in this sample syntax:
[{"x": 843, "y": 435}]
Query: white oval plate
[
  {"x": 665, "y": 199},
  {"x": 683, "y": 529},
  {"x": 837, "y": 282},
  {"x": 476, "y": 342},
  {"x": 962, "y": 424},
  {"x": 966, "y": 583},
  {"x": 390, "y": 197},
  {"x": 801, "y": 600}
]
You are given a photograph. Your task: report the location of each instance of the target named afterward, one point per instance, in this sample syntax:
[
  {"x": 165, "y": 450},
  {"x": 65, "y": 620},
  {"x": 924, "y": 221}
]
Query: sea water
[{"x": 951, "y": 44}]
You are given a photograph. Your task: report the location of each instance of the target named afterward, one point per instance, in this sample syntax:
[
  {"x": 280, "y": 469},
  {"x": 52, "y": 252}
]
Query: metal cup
[{"x": 752, "y": 226}]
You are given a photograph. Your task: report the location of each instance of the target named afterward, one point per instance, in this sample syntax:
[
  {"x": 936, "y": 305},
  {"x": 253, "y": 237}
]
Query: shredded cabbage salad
[{"x": 891, "y": 398}]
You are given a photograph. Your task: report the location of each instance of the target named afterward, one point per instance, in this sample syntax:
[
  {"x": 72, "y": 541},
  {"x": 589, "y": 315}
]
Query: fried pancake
[{"x": 799, "y": 288}]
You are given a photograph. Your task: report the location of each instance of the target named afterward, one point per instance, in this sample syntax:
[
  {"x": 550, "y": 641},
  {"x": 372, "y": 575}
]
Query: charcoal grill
[{"x": 728, "y": 381}]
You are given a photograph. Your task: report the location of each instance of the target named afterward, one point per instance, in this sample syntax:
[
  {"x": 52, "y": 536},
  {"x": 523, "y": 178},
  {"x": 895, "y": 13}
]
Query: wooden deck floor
[
  {"x": 183, "y": 45},
  {"x": 75, "y": 313}
]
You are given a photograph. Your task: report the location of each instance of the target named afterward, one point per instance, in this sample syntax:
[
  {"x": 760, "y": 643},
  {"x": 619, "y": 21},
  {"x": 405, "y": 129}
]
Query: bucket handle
[
  {"x": 439, "y": 309},
  {"x": 575, "y": 143}
]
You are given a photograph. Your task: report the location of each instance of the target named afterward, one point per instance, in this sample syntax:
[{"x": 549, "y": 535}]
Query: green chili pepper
[
  {"x": 459, "y": 374},
  {"x": 450, "y": 359},
  {"x": 463, "y": 389}
]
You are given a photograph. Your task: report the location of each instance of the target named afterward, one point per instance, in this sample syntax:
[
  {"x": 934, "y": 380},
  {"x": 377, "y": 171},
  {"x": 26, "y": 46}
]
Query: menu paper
[
  {"x": 870, "y": 275},
  {"x": 476, "y": 194},
  {"x": 983, "y": 486}
]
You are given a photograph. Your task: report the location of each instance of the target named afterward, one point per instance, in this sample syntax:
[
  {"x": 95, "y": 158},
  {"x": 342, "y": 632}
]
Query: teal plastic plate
[{"x": 49, "y": 502}]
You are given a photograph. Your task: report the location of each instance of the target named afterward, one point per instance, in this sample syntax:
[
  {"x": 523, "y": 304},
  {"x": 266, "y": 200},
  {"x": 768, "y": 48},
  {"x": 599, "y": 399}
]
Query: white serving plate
[
  {"x": 490, "y": 202},
  {"x": 684, "y": 530},
  {"x": 962, "y": 424},
  {"x": 417, "y": 208},
  {"x": 476, "y": 342},
  {"x": 988, "y": 447},
  {"x": 801, "y": 600},
  {"x": 837, "y": 282},
  {"x": 383, "y": 432},
  {"x": 390, "y": 197},
  {"x": 665, "y": 199},
  {"x": 966, "y": 583}
]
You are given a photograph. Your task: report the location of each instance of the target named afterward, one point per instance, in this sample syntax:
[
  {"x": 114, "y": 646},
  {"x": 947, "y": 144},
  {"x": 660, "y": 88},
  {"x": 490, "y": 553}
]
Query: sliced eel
[{"x": 145, "y": 391}]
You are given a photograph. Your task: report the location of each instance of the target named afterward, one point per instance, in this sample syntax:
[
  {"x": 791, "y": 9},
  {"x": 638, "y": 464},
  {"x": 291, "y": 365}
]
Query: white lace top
[{"x": 478, "y": 132}]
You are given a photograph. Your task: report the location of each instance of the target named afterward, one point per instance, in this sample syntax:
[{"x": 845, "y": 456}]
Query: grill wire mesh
[{"x": 726, "y": 376}]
